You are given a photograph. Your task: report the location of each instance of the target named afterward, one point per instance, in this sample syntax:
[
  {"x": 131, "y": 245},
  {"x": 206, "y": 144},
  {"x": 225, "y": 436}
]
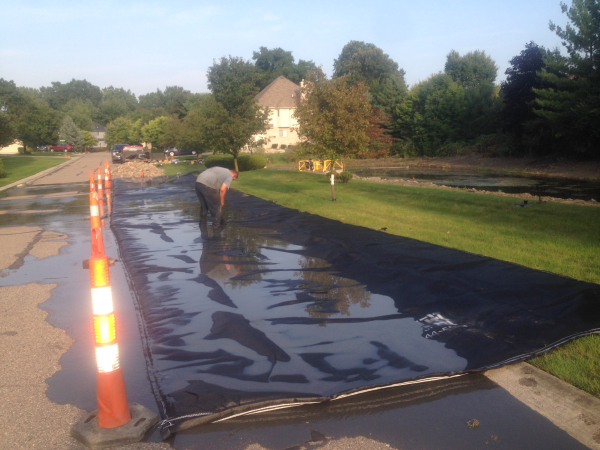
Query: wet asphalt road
[{"x": 40, "y": 262}]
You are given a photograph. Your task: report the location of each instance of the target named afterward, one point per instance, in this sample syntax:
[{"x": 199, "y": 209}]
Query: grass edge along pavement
[
  {"x": 555, "y": 237},
  {"x": 19, "y": 167}
]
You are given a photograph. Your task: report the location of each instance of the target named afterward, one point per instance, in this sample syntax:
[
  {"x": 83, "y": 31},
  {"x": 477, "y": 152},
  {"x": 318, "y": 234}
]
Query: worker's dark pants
[{"x": 210, "y": 200}]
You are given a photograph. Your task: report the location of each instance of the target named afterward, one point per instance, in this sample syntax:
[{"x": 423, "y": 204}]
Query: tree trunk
[{"x": 235, "y": 163}]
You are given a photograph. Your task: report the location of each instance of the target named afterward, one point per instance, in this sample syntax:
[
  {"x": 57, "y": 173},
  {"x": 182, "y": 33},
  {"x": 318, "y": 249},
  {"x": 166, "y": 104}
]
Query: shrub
[
  {"x": 245, "y": 162},
  {"x": 22, "y": 151},
  {"x": 345, "y": 177},
  {"x": 2, "y": 170}
]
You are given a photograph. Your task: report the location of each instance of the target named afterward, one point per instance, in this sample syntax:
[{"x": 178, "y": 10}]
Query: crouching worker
[{"x": 211, "y": 187}]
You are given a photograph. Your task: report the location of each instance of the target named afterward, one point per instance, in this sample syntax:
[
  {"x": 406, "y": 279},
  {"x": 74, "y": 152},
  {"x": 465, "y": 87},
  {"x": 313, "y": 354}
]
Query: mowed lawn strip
[
  {"x": 556, "y": 237},
  {"x": 182, "y": 167},
  {"x": 19, "y": 167}
]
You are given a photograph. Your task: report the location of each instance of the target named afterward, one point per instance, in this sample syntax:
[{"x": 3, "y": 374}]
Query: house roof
[
  {"x": 281, "y": 93},
  {"x": 97, "y": 127}
]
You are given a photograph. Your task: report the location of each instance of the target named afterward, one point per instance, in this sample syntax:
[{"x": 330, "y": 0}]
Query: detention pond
[
  {"x": 544, "y": 186},
  {"x": 283, "y": 309}
]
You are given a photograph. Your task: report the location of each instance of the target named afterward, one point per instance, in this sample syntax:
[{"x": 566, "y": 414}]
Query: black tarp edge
[{"x": 173, "y": 425}]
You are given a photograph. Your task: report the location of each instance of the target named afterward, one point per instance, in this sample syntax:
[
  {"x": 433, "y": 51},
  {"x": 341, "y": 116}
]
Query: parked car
[
  {"x": 123, "y": 152},
  {"x": 42, "y": 148},
  {"x": 116, "y": 152},
  {"x": 62, "y": 148},
  {"x": 179, "y": 151}
]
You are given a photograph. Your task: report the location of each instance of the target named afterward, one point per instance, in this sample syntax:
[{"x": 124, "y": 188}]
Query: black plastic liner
[{"x": 284, "y": 308}]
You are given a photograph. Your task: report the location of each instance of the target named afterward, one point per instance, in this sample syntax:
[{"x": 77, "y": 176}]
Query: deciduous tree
[
  {"x": 88, "y": 139},
  {"x": 116, "y": 102},
  {"x": 37, "y": 124},
  {"x": 58, "y": 94},
  {"x": 11, "y": 103},
  {"x": 367, "y": 63},
  {"x": 117, "y": 132},
  {"x": 333, "y": 116},
  {"x": 233, "y": 83},
  {"x": 275, "y": 62}
]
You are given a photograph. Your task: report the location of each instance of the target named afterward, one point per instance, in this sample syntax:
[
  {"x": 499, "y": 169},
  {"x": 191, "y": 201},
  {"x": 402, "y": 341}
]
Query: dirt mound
[{"x": 136, "y": 169}]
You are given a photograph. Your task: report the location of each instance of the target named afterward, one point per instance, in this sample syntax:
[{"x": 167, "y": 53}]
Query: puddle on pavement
[{"x": 549, "y": 187}]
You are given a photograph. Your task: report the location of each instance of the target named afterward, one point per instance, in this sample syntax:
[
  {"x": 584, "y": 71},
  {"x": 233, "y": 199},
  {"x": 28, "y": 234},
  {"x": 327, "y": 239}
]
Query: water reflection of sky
[{"x": 551, "y": 187}]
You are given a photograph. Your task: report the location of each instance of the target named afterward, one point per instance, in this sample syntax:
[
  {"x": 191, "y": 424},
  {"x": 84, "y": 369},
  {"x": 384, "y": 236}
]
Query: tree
[
  {"x": 162, "y": 132},
  {"x": 116, "y": 102},
  {"x": 333, "y": 116},
  {"x": 37, "y": 124},
  {"x": 476, "y": 72},
  {"x": 11, "y": 103},
  {"x": 432, "y": 114},
  {"x": 88, "y": 139},
  {"x": 367, "y": 63},
  {"x": 569, "y": 102},
  {"x": 517, "y": 91},
  {"x": 70, "y": 133},
  {"x": 135, "y": 134},
  {"x": 82, "y": 111},
  {"x": 59, "y": 94},
  {"x": 117, "y": 132},
  {"x": 233, "y": 83},
  {"x": 204, "y": 115},
  {"x": 380, "y": 142},
  {"x": 275, "y": 62},
  {"x": 471, "y": 70}
]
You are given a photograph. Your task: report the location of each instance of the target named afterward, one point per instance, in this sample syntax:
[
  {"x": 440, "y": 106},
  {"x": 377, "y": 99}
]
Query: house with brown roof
[{"x": 281, "y": 97}]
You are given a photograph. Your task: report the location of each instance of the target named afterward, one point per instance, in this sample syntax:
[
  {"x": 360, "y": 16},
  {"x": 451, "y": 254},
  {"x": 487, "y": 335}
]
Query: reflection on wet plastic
[{"x": 281, "y": 308}]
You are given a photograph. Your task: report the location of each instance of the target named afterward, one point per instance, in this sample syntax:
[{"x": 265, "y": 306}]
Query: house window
[{"x": 282, "y": 133}]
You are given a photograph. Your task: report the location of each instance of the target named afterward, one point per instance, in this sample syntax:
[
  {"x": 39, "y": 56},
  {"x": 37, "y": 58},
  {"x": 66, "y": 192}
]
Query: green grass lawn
[
  {"x": 19, "y": 167},
  {"x": 556, "y": 237},
  {"x": 182, "y": 167}
]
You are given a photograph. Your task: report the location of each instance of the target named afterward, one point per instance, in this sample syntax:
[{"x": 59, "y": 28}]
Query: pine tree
[
  {"x": 570, "y": 103},
  {"x": 69, "y": 133}
]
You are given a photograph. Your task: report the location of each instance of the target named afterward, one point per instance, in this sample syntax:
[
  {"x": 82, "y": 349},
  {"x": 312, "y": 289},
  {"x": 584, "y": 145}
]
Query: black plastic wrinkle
[{"x": 283, "y": 308}]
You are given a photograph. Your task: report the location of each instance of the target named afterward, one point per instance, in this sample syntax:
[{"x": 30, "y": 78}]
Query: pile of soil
[{"x": 135, "y": 169}]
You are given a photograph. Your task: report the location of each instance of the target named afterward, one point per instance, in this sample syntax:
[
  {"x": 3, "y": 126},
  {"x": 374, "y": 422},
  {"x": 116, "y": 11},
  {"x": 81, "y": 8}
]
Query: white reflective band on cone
[
  {"x": 94, "y": 212},
  {"x": 107, "y": 358},
  {"x": 102, "y": 302}
]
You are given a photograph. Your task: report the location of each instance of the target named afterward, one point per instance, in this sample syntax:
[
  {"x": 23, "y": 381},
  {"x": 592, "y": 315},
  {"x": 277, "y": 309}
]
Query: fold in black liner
[{"x": 284, "y": 308}]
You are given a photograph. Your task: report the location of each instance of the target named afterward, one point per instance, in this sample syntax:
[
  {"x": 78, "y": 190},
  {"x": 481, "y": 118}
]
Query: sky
[{"x": 145, "y": 45}]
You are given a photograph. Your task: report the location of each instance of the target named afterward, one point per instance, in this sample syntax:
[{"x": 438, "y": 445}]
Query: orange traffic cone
[
  {"x": 108, "y": 186},
  {"x": 94, "y": 211},
  {"x": 113, "y": 409},
  {"x": 100, "y": 195}
]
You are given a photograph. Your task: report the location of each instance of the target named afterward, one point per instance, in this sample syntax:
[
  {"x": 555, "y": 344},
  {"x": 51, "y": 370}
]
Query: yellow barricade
[{"x": 319, "y": 165}]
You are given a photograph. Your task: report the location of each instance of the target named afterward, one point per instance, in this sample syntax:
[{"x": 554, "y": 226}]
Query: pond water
[{"x": 548, "y": 187}]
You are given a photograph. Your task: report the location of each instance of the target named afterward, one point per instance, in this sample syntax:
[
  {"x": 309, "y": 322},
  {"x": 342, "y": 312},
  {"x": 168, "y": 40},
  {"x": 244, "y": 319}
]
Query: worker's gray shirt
[{"x": 215, "y": 177}]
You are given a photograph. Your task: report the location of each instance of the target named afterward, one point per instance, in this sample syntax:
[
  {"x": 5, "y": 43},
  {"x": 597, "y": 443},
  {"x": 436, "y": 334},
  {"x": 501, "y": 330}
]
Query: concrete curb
[
  {"x": 41, "y": 174},
  {"x": 567, "y": 407}
]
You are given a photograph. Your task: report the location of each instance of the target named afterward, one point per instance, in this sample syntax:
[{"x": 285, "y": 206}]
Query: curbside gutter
[
  {"x": 41, "y": 174},
  {"x": 569, "y": 408}
]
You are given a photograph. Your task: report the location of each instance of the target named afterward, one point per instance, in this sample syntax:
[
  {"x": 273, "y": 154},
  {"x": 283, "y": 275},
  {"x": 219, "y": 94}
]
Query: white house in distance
[
  {"x": 280, "y": 97},
  {"x": 98, "y": 131}
]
